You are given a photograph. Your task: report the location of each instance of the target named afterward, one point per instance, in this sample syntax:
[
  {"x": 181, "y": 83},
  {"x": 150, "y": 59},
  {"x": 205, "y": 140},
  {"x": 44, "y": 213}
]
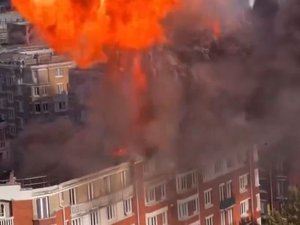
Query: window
[
  {"x": 19, "y": 90},
  {"x": 72, "y": 196},
  {"x": 257, "y": 202},
  {"x": 111, "y": 212},
  {"x": 20, "y": 106},
  {"x": 229, "y": 189},
  {"x": 124, "y": 175},
  {"x": 223, "y": 217},
  {"x": 37, "y": 107},
  {"x": 76, "y": 221},
  {"x": 218, "y": 166},
  {"x": 43, "y": 90},
  {"x": 59, "y": 88},
  {"x": 244, "y": 208},
  {"x": 10, "y": 80},
  {"x": 256, "y": 177},
  {"x": 105, "y": 185},
  {"x": 209, "y": 220},
  {"x": 90, "y": 188},
  {"x": 36, "y": 91},
  {"x": 207, "y": 172},
  {"x": 149, "y": 167},
  {"x": 59, "y": 72},
  {"x": 61, "y": 105},
  {"x": 45, "y": 107},
  {"x": 11, "y": 113},
  {"x": 2, "y": 210},
  {"x": 94, "y": 216},
  {"x": 10, "y": 97},
  {"x": 243, "y": 180},
  {"x": 156, "y": 193},
  {"x": 281, "y": 188},
  {"x": 188, "y": 207},
  {"x": 20, "y": 122},
  {"x": 207, "y": 198},
  {"x": 186, "y": 181},
  {"x": 263, "y": 207},
  {"x": 222, "y": 191},
  {"x": 42, "y": 205},
  {"x": 229, "y": 163},
  {"x": 39, "y": 91},
  {"x": 156, "y": 217},
  {"x": 127, "y": 206},
  {"x": 152, "y": 220},
  {"x": 12, "y": 129},
  {"x": 230, "y": 216}
]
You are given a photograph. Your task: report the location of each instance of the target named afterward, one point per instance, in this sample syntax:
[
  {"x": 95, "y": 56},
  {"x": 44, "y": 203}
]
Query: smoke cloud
[{"x": 205, "y": 95}]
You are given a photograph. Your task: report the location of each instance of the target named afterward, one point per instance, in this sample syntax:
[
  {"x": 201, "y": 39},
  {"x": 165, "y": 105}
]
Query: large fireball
[{"x": 82, "y": 28}]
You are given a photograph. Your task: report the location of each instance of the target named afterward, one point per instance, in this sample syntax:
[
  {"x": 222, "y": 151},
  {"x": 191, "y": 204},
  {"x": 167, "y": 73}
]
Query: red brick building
[{"x": 223, "y": 191}]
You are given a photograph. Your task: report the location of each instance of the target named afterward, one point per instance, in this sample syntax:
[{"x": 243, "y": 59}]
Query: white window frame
[
  {"x": 94, "y": 218},
  {"x": 181, "y": 181},
  {"x": 229, "y": 189},
  {"x": 2, "y": 210},
  {"x": 127, "y": 206},
  {"x": 150, "y": 193},
  {"x": 222, "y": 190},
  {"x": 72, "y": 196},
  {"x": 244, "y": 208},
  {"x": 43, "y": 107},
  {"x": 59, "y": 72},
  {"x": 223, "y": 217},
  {"x": 60, "y": 88},
  {"x": 208, "y": 198},
  {"x": 40, "y": 207},
  {"x": 183, "y": 210},
  {"x": 229, "y": 216},
  {"x": 111, "y": 212},
  {"x": 76, "y": 221},
  {"x": 151, "y": 218},
  {"x": 209, "y": 220},
  {"x": 90, "y": 190},
  {"x": 256, "y": 177},
  {"x": 258, "y": 206},
  {"x": 243, "y": 182}
]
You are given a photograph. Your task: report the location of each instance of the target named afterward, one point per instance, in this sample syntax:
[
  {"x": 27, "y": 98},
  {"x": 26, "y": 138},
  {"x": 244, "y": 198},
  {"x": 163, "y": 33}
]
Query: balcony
[
  {"x": 7, "y": 221},
  {"x": 101, "y": 201},
  {"x": 227, "y": 202}
]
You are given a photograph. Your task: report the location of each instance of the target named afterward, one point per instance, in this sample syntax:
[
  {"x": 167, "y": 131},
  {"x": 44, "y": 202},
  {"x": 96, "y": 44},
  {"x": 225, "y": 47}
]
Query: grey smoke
[{"x": 204, "y": 96}]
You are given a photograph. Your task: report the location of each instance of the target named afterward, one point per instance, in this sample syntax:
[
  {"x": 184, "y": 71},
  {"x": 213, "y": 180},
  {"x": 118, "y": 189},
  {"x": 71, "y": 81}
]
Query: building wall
[
  {"x": 22, "y": 212},
  {"x": 148, "y": 196},
  {"x": 35, "y": 87}
]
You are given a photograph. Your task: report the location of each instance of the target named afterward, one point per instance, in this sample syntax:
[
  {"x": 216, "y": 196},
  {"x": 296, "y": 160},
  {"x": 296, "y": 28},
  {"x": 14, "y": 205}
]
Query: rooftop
[{"x": 20, "y": 56}]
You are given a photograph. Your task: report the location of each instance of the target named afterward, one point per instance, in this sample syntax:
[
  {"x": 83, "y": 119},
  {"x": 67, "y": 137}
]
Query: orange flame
[
  {"x": 139, "y": 77},
  {"x": 82, "y": 28}
]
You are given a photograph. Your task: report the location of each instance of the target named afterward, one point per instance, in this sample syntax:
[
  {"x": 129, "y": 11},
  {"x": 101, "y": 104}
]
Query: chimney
[{"x": 12, "y": 178}]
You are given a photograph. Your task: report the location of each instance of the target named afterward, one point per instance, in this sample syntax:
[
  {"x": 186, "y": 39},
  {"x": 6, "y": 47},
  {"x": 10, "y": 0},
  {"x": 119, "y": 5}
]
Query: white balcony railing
[
  {"x": 7, "y": 221},
  {"x": 101, "y": 201}
]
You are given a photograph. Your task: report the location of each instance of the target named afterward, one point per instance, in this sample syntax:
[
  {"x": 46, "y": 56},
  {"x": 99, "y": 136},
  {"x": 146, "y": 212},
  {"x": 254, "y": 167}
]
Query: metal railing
[
  {"x": 7, "y": 221},
  {"x": 34, "y": 182}
]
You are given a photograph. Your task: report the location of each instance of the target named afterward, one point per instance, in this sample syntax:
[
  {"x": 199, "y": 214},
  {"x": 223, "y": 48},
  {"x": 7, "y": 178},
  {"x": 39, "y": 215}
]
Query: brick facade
[{"x": 150, "y": 197}]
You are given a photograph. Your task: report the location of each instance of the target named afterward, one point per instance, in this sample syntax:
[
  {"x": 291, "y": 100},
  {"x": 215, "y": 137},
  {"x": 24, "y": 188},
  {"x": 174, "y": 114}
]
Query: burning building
[{"x": 224, "y": 191}]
